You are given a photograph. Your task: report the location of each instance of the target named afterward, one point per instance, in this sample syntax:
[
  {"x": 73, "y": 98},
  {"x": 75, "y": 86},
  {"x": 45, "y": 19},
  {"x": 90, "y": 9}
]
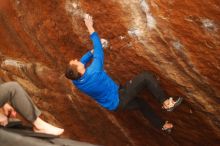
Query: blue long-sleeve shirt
[{"x": 95, "y": 82}]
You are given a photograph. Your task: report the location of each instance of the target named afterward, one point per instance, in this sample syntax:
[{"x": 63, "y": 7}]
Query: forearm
[
  {"x": 97, "y": 46},
  {"x": 90, "y": 29}
]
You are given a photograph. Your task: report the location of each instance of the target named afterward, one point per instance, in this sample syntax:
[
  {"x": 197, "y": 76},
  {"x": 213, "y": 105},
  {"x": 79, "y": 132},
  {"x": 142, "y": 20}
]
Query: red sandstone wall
[{"x": 178, "y": 40}]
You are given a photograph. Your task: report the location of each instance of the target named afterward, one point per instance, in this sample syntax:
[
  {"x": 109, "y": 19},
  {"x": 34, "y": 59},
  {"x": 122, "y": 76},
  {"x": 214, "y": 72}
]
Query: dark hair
[{"x": 72, "y": 73}]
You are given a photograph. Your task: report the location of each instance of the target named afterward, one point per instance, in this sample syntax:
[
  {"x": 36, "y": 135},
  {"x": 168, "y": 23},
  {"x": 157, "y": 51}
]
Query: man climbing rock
[
  {"x": 96, "y": 83},
  {"x": 13, "y": 99}
]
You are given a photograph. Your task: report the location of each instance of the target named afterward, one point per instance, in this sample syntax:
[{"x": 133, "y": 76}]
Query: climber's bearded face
[{"x": 77, "y": 64}]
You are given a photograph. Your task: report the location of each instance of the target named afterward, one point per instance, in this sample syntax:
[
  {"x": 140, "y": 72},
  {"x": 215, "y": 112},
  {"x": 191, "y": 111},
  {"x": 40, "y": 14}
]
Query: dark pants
[
  {"x": 13, "y": 93},
  {"x": 129, "y": 99}
]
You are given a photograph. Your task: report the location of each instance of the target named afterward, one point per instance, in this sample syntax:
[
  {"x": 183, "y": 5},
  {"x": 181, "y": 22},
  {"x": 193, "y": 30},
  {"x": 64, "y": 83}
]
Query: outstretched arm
[
  {"x": 98, "y": 54},
  {"x": 89, "y": 24}
]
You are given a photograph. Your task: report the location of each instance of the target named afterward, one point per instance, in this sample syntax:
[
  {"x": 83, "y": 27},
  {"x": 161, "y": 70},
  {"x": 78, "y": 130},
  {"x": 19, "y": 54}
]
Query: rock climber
[{"x": 95, "y": 82}]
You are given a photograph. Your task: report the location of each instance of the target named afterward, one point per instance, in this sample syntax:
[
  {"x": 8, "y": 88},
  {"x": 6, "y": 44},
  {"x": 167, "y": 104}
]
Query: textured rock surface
[{"x": 178, "y": 40}]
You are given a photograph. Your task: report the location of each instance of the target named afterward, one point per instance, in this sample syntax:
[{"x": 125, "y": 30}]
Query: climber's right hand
[{"x": 89, "y": 23}]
